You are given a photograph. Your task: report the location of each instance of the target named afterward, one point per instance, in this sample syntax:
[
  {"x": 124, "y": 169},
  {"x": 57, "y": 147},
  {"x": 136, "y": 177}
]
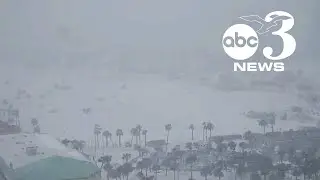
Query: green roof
[{"x": 56, "y": 168}]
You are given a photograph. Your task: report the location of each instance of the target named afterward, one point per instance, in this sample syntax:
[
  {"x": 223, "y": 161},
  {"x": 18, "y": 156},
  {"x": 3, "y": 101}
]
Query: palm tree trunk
[
  {"x": 191, "y": 173},
  {"x": 136, "y": 140},
  {"x": 119, "y": 141},
  {"x": 145, "y": 140},
  {"x": 131, "y": 140},
  {"x": 139, "y": 136},
  {"x": 192, "y": 135},
  {"x": 146, "y": 172},
  {"x": 103, "y": 146},
  {"x": 203, "y": 134},
  {"x": 107, "y": 142},
  {"x": 210, "y": 133},
  {"x": 111, "y": 141},
  {"x": 264, "y": 129},
  {"x": 98, "y": 146},
  {"x": 167, "y": 142},
  {"x": 174, "y": 175},
  {"x": 178, "y": 174},
  {"x": 95, "y": 145},
  {"x": 206, "y": 134}
]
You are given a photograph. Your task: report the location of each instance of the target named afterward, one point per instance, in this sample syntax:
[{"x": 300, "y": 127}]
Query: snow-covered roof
[{"x": 13, "y": 148}]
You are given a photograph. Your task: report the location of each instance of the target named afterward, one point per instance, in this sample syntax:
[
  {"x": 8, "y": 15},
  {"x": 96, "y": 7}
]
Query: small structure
[
  {"x": 9, "y": 121},
  {"x": 11, "y": 116}
]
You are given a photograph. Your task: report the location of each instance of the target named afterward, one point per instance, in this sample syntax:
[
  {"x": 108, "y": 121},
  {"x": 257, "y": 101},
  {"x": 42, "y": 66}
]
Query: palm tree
[
  {"x": 126, "y": 157},
  {"x": 144, "y": 132},
  {"x": 218, "y": 173},
  {"x": 266, "y": 167},
  {"x": 34, "y": 122},
  {"x": 96, "y": 131},
  {"x": 133, "y": 133},
  {"x": 296, "y": 172},
  {"x": 281, "y": 154},
  {"x": 106, "y": 134},
  {"x": 36, "y": 126},
  {"x": 232, "y": 145},
  {"x": 190, "y": 160},
  {"x": 126, "y": 169},
  {"x": 146, "y": 164},
  {"x": 255, "y": 176},
  {"x": 36, "y": 129},
  {"x": 240, "y": 170},
  {"x": 156, "y": 169},
  {"x": 189, "y": 146},
  {"x": 204, "y": 130},
  {"x": 168, "y": 128},
  {"x": 210, "y": 127},
  {"x": 82, "y": 144},
  {"x": 264, "y": 124},
  {"x": 119, "y": 133},
  {"x": 139, "y": 166},
  {"x": 249, "y": 137},
  {"x": 105, "y": 161},
  {"x": 242, "y": 145},
  {"x": 281, "y": 170},
  {"x": 139, "y": 129},
  {"x": 166, "y": 163},
  {"x": 191, "y": 127},
  {"x": 272, "y": 120},
  {"x": 206, "y": 171},
  {"x": 174, "y": 166}
]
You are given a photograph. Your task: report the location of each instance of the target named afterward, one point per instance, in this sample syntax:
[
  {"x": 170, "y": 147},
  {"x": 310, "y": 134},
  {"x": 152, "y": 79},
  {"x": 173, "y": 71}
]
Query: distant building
[
  {"x": 11, "y": 116},
  {"x": 231, "y": 137},
  {"x": 9, "y": 121}
]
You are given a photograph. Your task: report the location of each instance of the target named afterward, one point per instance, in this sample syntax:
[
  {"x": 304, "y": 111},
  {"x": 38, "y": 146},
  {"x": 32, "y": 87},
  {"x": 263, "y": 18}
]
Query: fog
[
  {"x": 163, "y": 36},
  {"x": 97, "y": 46}
]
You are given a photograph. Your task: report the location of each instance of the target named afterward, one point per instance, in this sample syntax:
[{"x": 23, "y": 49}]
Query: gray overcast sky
[
  {"x": 164, "y": 36},
  {"x": 82, "y": 42}
]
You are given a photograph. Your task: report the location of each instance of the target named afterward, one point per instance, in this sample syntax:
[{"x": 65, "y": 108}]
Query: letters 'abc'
[{"x": 240, "y": 41}]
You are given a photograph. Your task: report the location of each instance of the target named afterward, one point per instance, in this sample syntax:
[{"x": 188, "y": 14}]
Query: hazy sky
[
  {"x": 82, "y": 43},
  {"x": 164, "y": 36}
]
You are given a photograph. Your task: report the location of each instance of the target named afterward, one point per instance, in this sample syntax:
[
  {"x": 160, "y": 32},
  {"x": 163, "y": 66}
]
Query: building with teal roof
[
  {"x": 29, "y": 156},
  {"x": 57, "y": 168}
]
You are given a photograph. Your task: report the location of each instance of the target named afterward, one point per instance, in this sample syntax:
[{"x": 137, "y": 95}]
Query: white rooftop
[{"x": 13, "y": 148}]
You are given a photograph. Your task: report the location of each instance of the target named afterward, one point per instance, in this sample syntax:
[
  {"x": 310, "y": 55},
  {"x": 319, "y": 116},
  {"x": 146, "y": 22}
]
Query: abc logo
[{"x": 240, "y": 41}]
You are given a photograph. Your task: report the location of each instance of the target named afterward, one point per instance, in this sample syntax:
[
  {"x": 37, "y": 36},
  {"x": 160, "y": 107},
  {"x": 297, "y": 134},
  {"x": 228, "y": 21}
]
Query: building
[
  {"x": 39, "y": 156},
  {"x": 10, "y": 116},
  {"x": 9, "y": 121}
]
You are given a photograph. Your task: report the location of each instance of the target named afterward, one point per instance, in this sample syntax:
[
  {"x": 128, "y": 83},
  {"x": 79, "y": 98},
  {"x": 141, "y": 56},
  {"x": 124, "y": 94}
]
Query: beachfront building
[{"x": 30, "y": 156}]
